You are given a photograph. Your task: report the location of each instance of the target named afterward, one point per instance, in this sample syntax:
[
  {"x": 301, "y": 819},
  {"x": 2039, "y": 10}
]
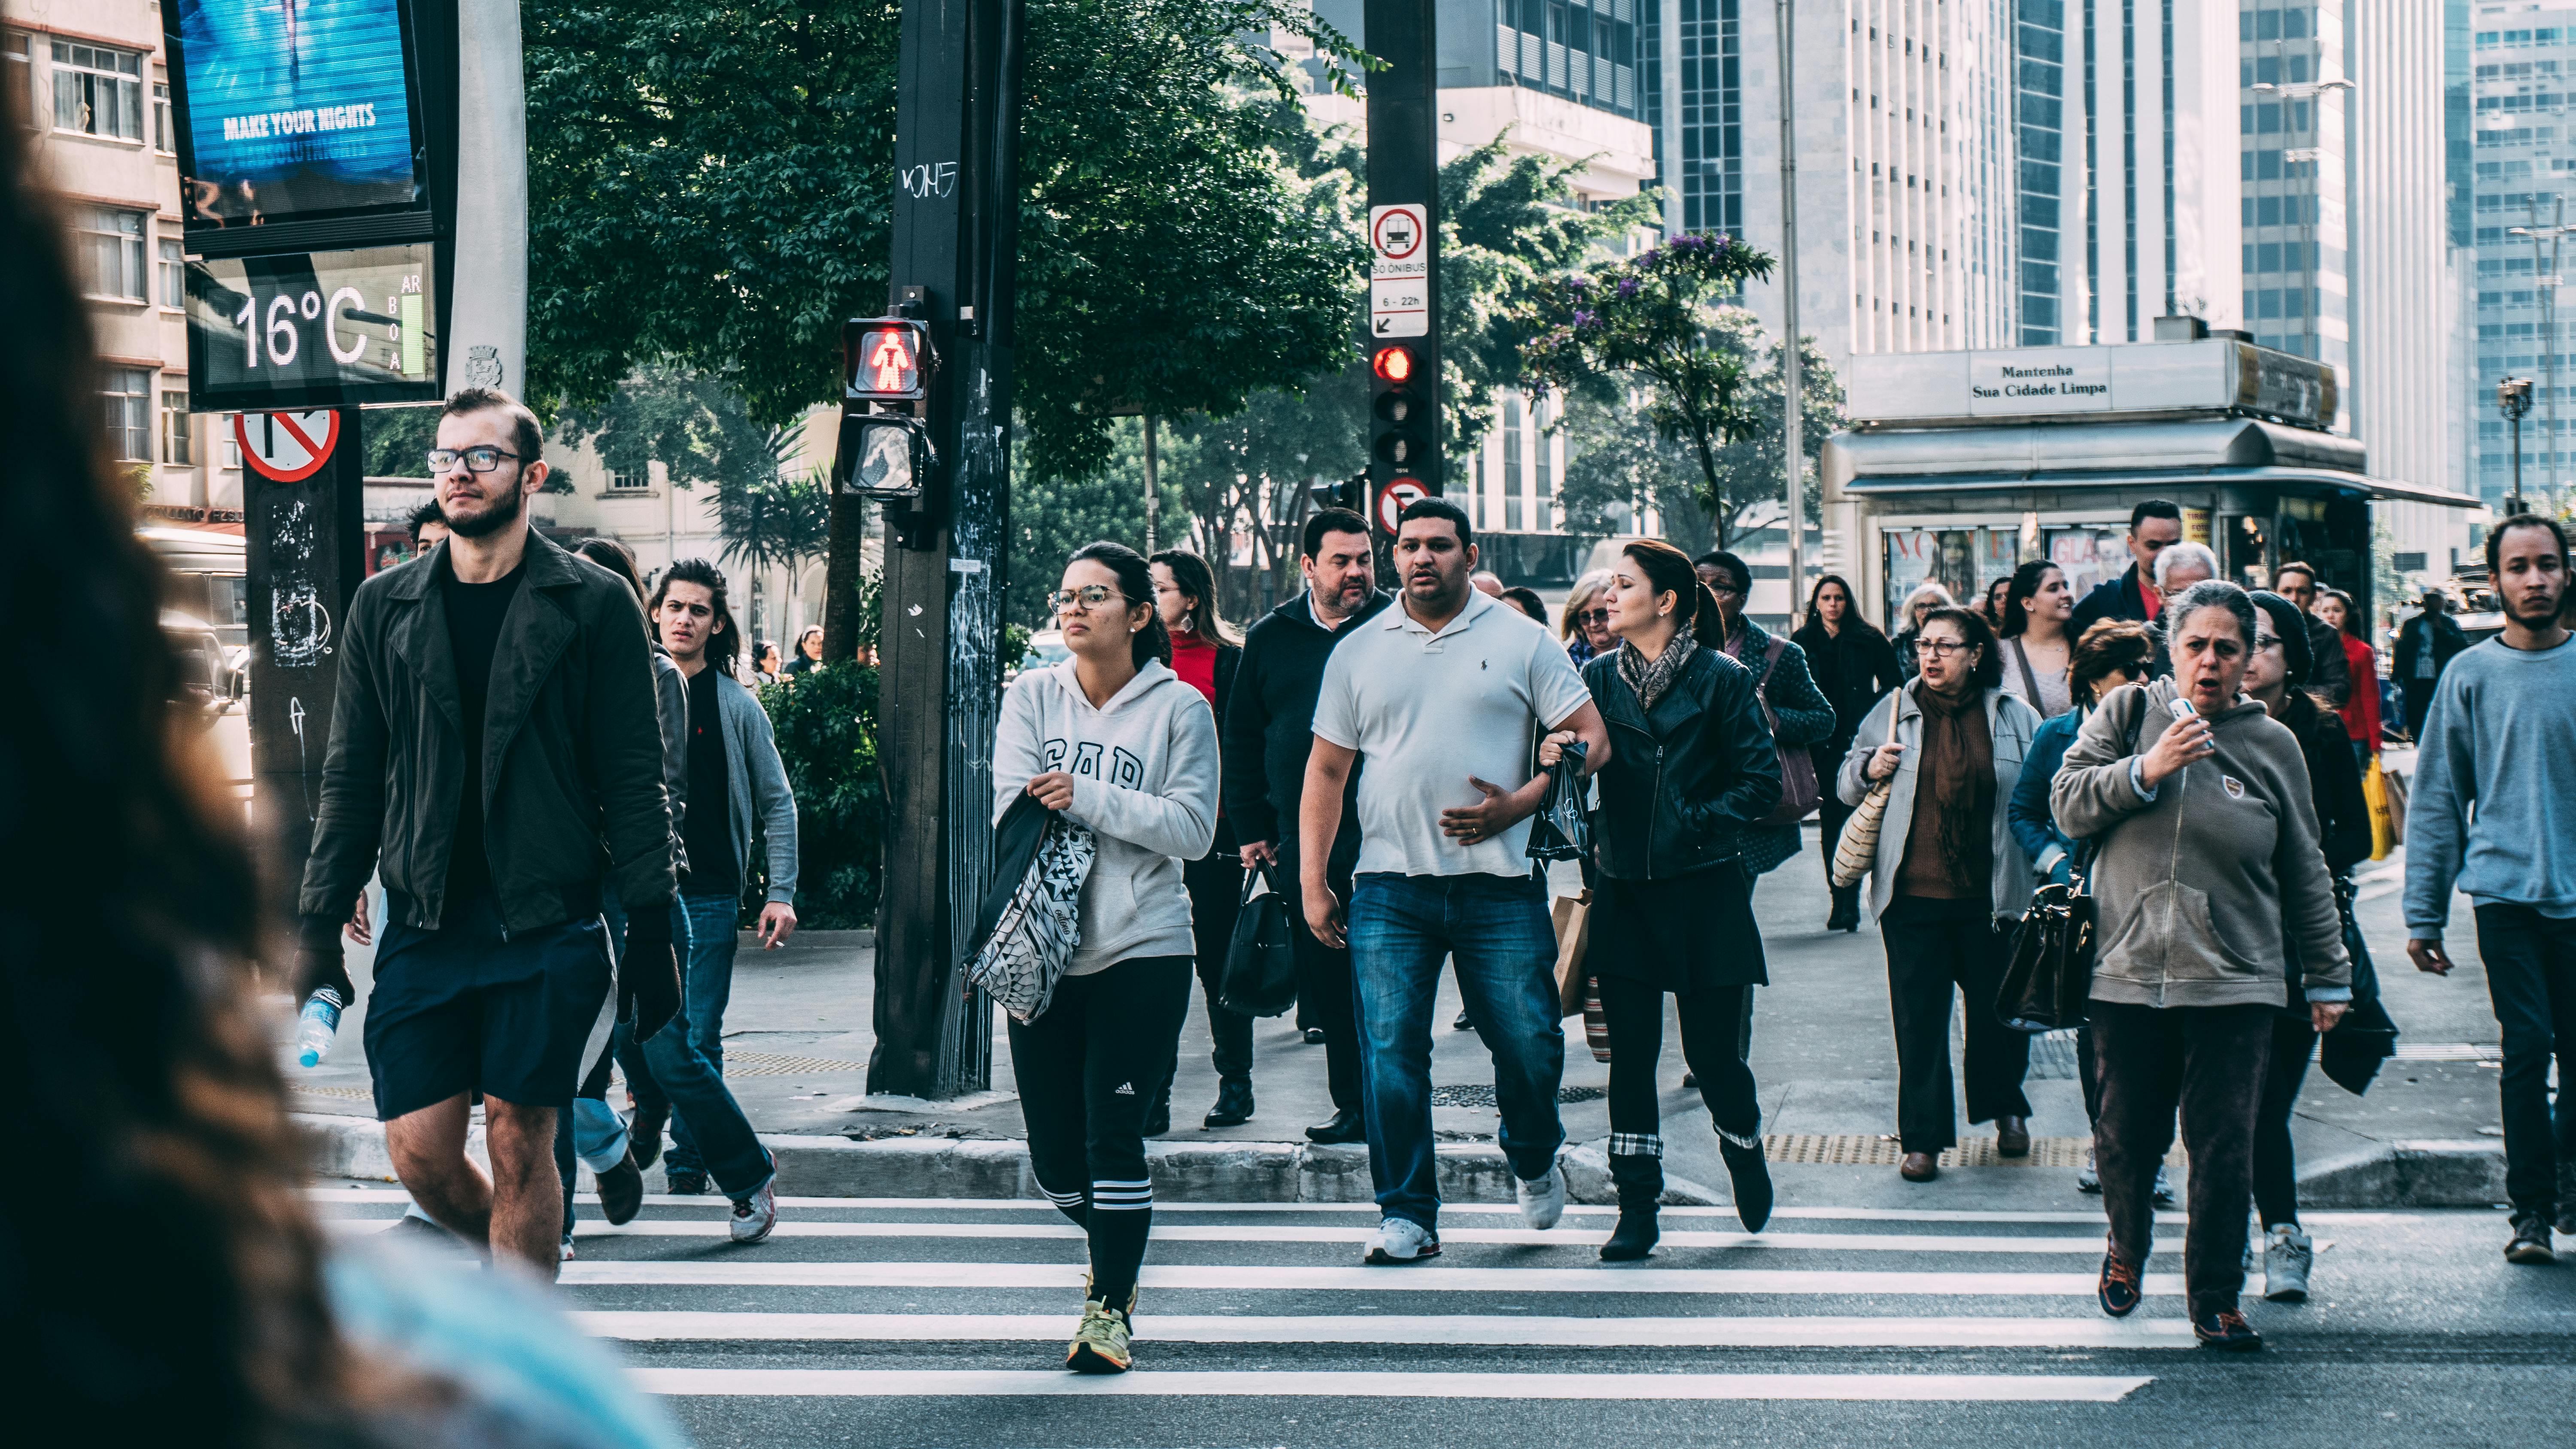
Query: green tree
[
  {"x": 1053, "y": 516},
  {"x": 1655, "y": 323}
]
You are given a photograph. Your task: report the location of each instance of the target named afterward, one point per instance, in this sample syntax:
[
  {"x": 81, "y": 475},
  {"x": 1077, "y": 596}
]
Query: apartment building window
[
  {"x": 178, "y": 426},
  {"x": 111, "y": 252},
  {"x": 629, "y": 482},
  {"x": 165, "y": 125},
  {"x": 97, "y": 91},
  {"x": 174, "y": 273},
  {"x": 1511, "y": 465},
  {"x": 128, "y": 394}
]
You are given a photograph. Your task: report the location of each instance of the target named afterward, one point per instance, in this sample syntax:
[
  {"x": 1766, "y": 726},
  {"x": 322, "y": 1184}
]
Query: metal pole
[
  {"x": 1668, "y": 28},
  {"x": 1153, "y": 483},
  {"x": 1792, "y": 370},
  {"x": 487, "y": 329}
]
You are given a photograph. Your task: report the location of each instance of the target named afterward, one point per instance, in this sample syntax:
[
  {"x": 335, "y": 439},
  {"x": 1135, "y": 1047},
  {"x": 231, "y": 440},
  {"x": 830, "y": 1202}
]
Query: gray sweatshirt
[
  {"x": 2502, "y": 737},
  {"x": 2198, "y": 884},
  {"x": 1144, "y": 779}
]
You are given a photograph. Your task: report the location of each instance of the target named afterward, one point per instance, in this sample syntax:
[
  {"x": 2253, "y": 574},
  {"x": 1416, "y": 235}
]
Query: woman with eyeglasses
[
  {"x": 1117, "y": 742},
  {"x": 1926, "y": 597},
  {"x": 2208, "y": 869},
  {"x": 1948, "y": 876},
  {"x": 1585, "y": 627},
  {"x": 1855, "y": 668},
  {"x": 2275, "y": 676},
  {"x": 1800, "y": 713},
  {"x": 2037, "y": 649},
  {"x": 1691, "y": 767}
]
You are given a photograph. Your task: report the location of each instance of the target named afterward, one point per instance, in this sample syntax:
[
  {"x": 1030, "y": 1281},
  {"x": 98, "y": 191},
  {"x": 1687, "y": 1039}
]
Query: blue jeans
[
  {"x": 1497, "y": 929},
  {"x": 674, "y": 1068}
]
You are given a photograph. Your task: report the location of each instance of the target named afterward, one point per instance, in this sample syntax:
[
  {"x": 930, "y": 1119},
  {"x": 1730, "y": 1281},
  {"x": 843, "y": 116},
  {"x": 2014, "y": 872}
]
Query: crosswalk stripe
[
  {"x": 1791, "y": 1331},
  {"x": 951, "y": 1383},
  {"x": 1278, "y": 1233},
  {"x": 1424, "y": 1279}
]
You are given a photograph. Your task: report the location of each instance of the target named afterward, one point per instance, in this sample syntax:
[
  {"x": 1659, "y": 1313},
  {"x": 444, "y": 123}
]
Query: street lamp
[
  {"x": 2513, "y": 399},
  {"x": 2547, "y": 281}
]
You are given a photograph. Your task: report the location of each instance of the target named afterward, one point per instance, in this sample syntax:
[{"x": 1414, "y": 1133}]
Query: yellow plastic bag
[{"x": 2383, "y": 820}]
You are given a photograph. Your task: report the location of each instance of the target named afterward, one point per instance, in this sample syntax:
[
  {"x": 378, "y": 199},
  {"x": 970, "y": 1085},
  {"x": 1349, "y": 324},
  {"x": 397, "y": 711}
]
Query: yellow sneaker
[{"x": 1101, "y": 1345}]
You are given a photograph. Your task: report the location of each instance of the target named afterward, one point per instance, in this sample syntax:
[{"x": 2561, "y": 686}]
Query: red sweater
[
  {"x": 2361, "y": 716},
  {"x": 1194, "y": 660}
]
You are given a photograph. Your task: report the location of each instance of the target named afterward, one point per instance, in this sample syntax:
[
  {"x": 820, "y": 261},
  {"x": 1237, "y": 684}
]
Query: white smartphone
[{"x": 2182, "y": 708}]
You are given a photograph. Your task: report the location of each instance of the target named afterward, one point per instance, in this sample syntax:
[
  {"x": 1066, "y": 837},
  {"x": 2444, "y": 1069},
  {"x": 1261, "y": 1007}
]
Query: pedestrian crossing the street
[{"x": 894, "y": 1299}]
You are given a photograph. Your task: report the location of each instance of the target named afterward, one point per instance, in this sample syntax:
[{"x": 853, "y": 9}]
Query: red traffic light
[
  {"x": 886, "y": 359},
  {"x": 1394, "y": 364}
]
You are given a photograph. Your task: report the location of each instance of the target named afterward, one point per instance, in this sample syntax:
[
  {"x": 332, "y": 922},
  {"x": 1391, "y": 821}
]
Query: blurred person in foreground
[{"x": 143, "y": 1073}]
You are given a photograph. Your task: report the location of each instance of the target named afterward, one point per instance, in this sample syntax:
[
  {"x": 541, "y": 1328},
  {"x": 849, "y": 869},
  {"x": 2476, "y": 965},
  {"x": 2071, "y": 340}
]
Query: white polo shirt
[{"x": 1425, "y": 711}]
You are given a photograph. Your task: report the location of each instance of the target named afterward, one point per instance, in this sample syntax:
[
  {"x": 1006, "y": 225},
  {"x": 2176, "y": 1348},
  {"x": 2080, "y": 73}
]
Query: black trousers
[
  {"x": 2276, "y": 1167},
  {"x": 2208, "y": 1063},
  {"x": 1327, "y": 997},
  {"x": 1088, "y": 1068},
  {"x": 2531, "y": 975},
  {"x": 1215, "y": 884},
  {"x": 1936, "y": 949},
  {"x": 1710, "y": 1019},
  {"x": 2418, "y": 697}
]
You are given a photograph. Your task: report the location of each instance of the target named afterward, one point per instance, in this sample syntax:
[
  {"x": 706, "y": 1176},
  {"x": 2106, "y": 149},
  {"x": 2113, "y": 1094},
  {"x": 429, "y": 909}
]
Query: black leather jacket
[{"x": 1684, "y": 781}]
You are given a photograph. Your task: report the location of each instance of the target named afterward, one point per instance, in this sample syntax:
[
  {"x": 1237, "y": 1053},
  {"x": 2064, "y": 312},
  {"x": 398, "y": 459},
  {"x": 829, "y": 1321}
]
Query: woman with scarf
[
  {"x": 1691, "y": 767},
  {"x": 1855, "y": 668},
  {"x": 1948, "y": 870}
]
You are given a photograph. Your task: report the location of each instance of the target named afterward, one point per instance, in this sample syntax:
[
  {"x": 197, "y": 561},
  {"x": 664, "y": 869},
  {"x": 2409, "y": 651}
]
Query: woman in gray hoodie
[
  {"x": 2207, "y": 827},
  {"x": 1117, "y": 742}
]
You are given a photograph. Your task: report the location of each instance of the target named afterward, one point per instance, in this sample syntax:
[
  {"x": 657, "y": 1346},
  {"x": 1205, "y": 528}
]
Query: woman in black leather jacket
[{"x": 1692, "y": 766}]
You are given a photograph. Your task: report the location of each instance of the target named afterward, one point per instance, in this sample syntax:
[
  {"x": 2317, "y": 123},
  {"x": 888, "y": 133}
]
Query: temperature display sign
[{"x": 324, "y": 329}]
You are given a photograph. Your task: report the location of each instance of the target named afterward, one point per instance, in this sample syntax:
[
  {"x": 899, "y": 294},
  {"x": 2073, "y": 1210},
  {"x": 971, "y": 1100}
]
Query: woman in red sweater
[
  {"x": 2361, "y": 713},
  {"x": 1204, "y": 652}
]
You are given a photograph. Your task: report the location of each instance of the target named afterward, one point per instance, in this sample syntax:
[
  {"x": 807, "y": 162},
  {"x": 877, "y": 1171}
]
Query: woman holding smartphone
[{"x": 1115, "y": 741}]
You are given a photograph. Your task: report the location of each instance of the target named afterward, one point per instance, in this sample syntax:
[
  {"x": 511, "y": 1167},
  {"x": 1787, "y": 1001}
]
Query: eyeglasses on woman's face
[
  {"x": 1940, "y": 648},
  {"x": 1089, "y": 596},
  {"x": 1593, "y": 616}
]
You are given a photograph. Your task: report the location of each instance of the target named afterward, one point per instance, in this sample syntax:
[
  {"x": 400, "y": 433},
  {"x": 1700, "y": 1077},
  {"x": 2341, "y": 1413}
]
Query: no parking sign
[{"x": 287, "y": 447}]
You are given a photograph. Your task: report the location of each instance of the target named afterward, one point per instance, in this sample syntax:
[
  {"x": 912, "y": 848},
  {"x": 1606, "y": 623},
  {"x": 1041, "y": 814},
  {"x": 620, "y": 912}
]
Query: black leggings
[
  {"x": 2276, "y": 1169},
  {"x": 1710, "y": 1019},
  {"x": 1087, "y": 1069}
]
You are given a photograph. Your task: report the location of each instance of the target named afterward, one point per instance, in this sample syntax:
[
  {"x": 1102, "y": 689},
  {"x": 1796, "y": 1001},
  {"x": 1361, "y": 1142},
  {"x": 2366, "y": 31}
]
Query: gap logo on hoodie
[{"x": 1127, "y": 772}]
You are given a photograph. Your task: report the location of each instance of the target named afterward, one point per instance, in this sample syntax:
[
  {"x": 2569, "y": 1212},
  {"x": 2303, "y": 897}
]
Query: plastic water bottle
[{"x": 319, "y": 1023}]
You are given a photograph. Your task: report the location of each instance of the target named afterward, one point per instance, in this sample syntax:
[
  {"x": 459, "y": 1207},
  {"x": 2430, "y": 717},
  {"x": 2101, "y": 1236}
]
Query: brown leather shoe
[
  {"x": 1919, "y": 1167},
  {"x": 2012, "y": 1136}
]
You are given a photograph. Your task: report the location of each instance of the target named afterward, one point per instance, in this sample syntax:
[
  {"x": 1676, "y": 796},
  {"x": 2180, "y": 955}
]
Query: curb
[
  {"x": 937, "y": 1167},
  {"x": 2428, "y": 1173}
]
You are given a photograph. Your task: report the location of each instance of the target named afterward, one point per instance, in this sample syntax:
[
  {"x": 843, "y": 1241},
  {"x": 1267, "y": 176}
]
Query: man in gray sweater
[{"x": 2501, "y": 736}]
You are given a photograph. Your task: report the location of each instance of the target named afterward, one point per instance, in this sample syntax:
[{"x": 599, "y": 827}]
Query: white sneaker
[
  {"x": 1543, "y": 1199},
  {"x": 755, "y": 1215},
  {"x": 1401, "y": 1240},
  {"x": 2088, "y": 1180},
  {"x": 2287, "y": 1256}
]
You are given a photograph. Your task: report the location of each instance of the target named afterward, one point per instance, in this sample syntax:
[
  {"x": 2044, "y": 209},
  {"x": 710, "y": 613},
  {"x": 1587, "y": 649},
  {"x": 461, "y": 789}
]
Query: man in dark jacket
[
  {"x": 2425, "y": 645},
  {"x": 1269, "y": 730},
  {"x": 2152, "y": 525},
  {"x": 2329, "y": 677},
  {"x": 495, "y": 758}
]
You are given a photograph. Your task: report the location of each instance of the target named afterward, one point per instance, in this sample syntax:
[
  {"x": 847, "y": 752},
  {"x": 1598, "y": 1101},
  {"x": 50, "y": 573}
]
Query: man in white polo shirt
[{"x": 1443, "y": 695}]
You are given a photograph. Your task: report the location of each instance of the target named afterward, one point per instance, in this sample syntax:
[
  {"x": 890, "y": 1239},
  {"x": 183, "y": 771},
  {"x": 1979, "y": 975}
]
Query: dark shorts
[{"x": 466, "y": 1008}]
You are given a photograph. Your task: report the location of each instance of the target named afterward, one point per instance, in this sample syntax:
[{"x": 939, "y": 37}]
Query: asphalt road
[{"x": 936, "y": 1323}]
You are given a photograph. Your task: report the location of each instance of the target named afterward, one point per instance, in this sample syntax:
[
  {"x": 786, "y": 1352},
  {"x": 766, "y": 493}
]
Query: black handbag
[
  {"x": 1562, "y": 830},
  {"x": 2350, "y": 1054},
  {"x": 2051, "y": 971},
  {"x": 1261, "y": 961}
]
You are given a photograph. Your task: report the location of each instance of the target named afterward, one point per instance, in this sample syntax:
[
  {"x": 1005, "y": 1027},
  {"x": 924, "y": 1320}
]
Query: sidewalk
[{"x": 797, "y": 1041}]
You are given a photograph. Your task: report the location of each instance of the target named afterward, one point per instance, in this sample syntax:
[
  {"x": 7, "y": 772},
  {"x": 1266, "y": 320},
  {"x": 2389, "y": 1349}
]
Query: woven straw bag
[{"x": 1857, "y": 850}]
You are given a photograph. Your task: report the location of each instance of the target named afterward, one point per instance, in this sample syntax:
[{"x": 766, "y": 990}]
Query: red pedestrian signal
[
  {"x": 886, "y": 360},
  {"x": 1394, "y": 364}
]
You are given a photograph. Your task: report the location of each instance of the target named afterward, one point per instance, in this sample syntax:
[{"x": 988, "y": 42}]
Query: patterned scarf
[{"x": 1651, "y": 680}]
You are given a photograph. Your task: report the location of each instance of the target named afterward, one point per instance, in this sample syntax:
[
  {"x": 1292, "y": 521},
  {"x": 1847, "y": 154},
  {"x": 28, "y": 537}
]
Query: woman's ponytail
[{"x": 1707, "y": 624}]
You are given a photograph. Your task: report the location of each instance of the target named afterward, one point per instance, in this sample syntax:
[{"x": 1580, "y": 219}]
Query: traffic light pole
[
  {"x": 1404, "y": 311},
  {"x": 955, "y": 240}
]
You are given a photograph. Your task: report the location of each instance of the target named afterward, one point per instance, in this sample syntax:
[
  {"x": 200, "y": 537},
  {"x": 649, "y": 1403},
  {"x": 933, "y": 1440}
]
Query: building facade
[
  {"x": 88, "y": 79},
  {"x": 2523, "y": 59}
]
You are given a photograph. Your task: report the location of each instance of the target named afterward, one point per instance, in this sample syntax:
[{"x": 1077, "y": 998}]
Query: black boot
[
  {"x": 1233, "y": 1103},
  {"x": 1640, "y": 1179},
  {"x": 1751, "y": 1177},
  {"x": 1846, "y": 912},
  {"x": 1158, "y": 1117}
]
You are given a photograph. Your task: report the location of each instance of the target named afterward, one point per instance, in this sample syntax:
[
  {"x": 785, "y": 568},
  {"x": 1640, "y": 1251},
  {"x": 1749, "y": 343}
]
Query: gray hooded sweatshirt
[
  {"x": 2198, "y": 886},
  {"x": 1144, "y": 779}
]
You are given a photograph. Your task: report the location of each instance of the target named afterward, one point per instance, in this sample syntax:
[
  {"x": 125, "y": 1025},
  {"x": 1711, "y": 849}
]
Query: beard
[
  {"x": 2541, "y": 616},
  {"x": 504, "y": 511}
]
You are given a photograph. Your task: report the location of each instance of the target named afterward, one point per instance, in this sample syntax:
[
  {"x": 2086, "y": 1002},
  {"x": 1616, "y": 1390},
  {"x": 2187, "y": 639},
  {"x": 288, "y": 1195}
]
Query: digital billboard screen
[
  {"x": 313, "y": 330},
  {"x": 296, "y": 110}
]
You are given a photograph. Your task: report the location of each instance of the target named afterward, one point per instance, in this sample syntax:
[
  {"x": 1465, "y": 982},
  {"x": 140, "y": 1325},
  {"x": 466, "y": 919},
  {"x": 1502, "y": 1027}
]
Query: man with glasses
[
  {"x": 1441, "y": 694},
  {"x": 496, "y": 757},
  {"x": 2154, "y": 526}
]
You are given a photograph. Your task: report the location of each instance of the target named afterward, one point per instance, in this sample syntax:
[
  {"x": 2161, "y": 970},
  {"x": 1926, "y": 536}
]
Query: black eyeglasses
[
  {"x": 1594, "y": 616},
  {"x": 478, "y": 459},
  {"x": 1939, "y": 648}
]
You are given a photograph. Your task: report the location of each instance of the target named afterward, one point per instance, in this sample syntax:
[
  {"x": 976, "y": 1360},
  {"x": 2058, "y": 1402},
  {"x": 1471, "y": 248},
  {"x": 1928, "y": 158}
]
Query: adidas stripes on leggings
[{"x": 1088, "y": 1069}]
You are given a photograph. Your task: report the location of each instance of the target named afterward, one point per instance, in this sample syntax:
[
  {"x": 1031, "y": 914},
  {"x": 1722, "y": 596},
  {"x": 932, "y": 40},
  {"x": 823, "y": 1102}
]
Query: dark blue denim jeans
[
  {"x": 673, "y": 1068},
  {"x": 706, "y": 987},
  {"x": 1401, "y": 927}
]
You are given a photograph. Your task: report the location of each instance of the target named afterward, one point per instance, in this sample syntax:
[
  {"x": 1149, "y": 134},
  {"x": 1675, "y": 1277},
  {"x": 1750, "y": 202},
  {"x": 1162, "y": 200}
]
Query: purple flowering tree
[{"x": 1649, "y": 323}]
